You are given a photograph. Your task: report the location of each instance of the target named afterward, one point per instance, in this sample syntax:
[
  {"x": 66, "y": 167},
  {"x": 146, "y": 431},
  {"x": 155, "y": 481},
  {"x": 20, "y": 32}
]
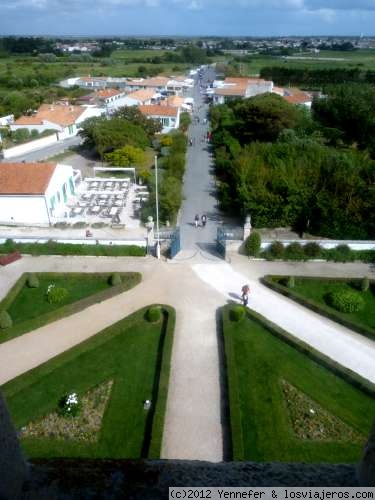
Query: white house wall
[
  {"x": 23, "y": 210},
  {"x": 30, "y": 146},
  {"x": 60, "y": 177}
]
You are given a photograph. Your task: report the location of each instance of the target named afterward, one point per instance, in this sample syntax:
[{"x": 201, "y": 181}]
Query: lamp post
[{"x": 157, "y": 209}]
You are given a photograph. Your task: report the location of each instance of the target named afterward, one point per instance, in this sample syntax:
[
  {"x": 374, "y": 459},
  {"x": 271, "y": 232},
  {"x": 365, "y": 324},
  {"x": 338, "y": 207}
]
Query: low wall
[
  {"x": 83, "y": 241},
  {"x": 236, "y": 246},
  {"x": 327, "y": 244},
  {"x": 30, "y": 146}
]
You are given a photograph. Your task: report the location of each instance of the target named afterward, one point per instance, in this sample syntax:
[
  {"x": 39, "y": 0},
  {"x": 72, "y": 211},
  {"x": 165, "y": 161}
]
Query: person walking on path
[
  {"x": 204, "y": 220},
  {"x": 196, "y": 220},
  {"x": 245, "y": 294}
]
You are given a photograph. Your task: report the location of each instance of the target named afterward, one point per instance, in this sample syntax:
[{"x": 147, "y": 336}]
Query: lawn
[
  {"x": 317, "y": 290},
  {"x": 264, "y": 426},
  {"x": 30, "y": 309},
  {"x": 133, "y": 354}
]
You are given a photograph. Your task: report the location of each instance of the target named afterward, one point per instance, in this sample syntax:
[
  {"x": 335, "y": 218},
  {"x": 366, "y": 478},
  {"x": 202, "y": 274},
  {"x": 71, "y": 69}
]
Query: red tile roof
[
  {"x": 108, "y": 93},
  {"x": 157, "y": 110},
  {"x": 55, "y": 113},
  {"x": 25, "y": 178}
]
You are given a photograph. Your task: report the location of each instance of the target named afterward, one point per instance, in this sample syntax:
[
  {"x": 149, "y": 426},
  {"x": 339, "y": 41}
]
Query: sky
[{"x": 187, "y": 17}]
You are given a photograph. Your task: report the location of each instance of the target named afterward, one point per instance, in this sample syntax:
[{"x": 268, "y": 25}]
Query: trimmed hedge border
[
  {"x": 238, "y": 452},
  {"x": 55, "y": 248},
  {"x": 326, "y": 311},
  {"x": 69, "y": 309},
  {"x": 324, "y": 361},
  {"x": 169, "y": 321},
  {"x": 166, "y": 343}
]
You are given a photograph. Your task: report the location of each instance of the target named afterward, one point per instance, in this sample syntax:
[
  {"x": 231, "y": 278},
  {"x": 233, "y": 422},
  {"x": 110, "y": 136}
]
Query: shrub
[
  {"x": 236, "y": 313},
  {"x": 69, "y": 405},
  {"x": 98, "y": 225},
  {"x": 80, "y": 225},
  {"x": 252, "y": 244},
  {"x": 294, "y": 251},
  {"x": 115, "y": 279},
  {"x": 365, "y": 284},
  {"x": 61, "y": 225},
  {"x": 56, "y": 295},
  {"x": 153, "y": 314},
  {"x": 291, "y": 283},
  {"x": 276, "y": 249},
  {"x": 346, "y": 301},
  {"x": 342, "y": 253},
  {"x": 5, "y": 320},
  {"x": 32, "y": 281},
  {"x": 312, "y": 250}
]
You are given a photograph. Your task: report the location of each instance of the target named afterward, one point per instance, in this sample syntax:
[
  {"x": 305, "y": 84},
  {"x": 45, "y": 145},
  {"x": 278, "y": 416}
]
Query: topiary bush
[
  {"x": 56, "y": 295},
  {"x": 312, "y": 250},
  {"x": 115, "y": 279},
  {"x": 291, "y": 283},
  {"x": 365, "y": 284},
  {"x": 5, "y": 320},
  {"x": 69, "y": 405},
  {"x": 294, "y": 251},
  {"x": 346, "y": 301},
  {"x": 153, "y": 314},
  {"x": 236, "y": 313},
  {"x": 276, "y": 249},
  {"x": 32, "y": 281},
  {"x": 252, "y": 244}
]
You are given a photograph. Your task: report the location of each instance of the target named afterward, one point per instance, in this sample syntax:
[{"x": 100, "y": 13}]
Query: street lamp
[{"x": 157, "y": 209}]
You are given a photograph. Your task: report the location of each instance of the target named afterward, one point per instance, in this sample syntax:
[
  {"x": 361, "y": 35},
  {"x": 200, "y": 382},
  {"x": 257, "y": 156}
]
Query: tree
[
  {"x": 126, "y": 156},
  {"x": 133, "y": 115}
]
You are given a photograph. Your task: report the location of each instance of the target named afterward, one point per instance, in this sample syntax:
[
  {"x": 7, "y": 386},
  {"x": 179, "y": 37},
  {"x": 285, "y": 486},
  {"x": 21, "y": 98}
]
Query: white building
[
  {"x": 62, "y": 118},
  {"x": 235, "y": 88},
  {"x": 168, "y": 116},
  {"x": 35, "y": 193}
]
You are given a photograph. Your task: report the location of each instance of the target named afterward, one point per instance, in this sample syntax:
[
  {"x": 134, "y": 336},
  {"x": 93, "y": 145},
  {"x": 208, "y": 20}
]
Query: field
[
  {"x": 362, "y": 59},
  {"x": 30, "y": 309},
  {"x": 130, "y": 359},
  {"x": 286, "y": 407}
]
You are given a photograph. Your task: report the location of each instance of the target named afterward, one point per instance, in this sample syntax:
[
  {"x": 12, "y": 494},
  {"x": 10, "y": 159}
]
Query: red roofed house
[
  {"x": 35, "y": 193},
  {"x": 168, "y": 116},
  {"x": 63, "y": 118},
  {"x": 234, "y": 88}
]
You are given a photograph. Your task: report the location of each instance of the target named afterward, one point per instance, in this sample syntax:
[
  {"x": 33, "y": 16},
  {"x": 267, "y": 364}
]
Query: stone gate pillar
[{"x": 247, "y": 228}]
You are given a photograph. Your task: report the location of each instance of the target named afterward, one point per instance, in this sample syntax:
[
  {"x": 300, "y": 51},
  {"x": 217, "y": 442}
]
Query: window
[
  {"x": 71, "y": 185},
  {"x": 53, "y": 202},
  {"x": 64, "y": 193},
  {"x": 71, "y": 129},
  {"x": 58, "y": 197}
]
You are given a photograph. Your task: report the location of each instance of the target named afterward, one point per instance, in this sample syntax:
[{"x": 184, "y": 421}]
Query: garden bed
[
  {"x": 30, "y": 309},
  {"x": 314, "y": 293},
  {"x": 133, "y": 353},
  {"x": 263, "y": 427}
]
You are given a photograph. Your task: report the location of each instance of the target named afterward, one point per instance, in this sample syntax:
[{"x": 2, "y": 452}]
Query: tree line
[{"x": 275, "y": 161}]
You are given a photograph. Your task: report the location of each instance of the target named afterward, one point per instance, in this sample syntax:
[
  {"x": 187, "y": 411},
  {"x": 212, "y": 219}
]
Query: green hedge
[
  {"x": 235, "y": 416},
  {"x": 272, "y": 282},
  {"x": 295, "y": 251},
  {"x": 129, "y": 280},
  {"x": 55, "y": 248}
]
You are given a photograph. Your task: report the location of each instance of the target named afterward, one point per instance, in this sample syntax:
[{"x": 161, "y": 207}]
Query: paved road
[
  {"x": 199, "y": 183},
  {"x": 43, "y": 153}
]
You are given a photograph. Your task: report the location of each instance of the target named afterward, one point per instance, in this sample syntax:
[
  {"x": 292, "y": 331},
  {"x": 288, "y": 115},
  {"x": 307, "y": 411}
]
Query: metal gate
[
  {"x": 220, "y": 241},
  {"x": 175, "y": 243},
  {"x": 224, "y": 234}
]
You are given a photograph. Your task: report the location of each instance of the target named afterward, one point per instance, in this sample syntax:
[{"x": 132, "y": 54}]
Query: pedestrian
[
  {"x": 204, "y": 220},
  {"x": 245, "y": 294},
  {"x": 191, "y": 142},
  {"x": 196, "y": 220}
]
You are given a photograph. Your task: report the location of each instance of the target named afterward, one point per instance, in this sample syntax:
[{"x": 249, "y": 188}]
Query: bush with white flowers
[
  {"x": 69, "y": 405},
  {"x": 56, "y": 295}
]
